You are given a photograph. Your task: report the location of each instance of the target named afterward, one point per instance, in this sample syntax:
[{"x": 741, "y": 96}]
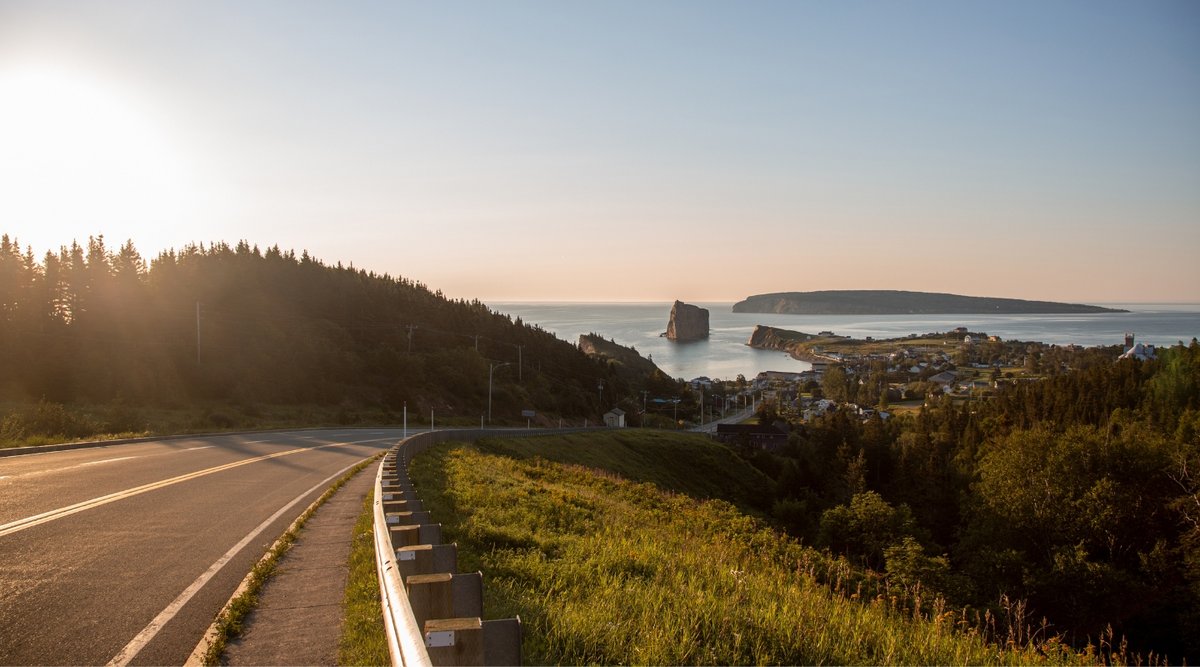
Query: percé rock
[
  {"x": 687, "y": 322},
  {"x": 898, "y": 302}
]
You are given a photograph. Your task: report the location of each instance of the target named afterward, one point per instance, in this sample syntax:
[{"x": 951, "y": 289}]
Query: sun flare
[{"x": 80, "y": 155}]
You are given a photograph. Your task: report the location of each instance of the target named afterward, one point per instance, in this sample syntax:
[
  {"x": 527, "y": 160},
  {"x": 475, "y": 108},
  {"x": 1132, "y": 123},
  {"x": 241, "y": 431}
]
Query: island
[
  {"x": 897, "y": 302},
  {"x": 687, "y": 322}
]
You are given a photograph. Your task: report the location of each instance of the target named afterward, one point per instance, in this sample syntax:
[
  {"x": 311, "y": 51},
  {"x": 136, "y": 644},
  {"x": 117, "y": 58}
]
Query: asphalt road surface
[{"x": 124, "y": 554}]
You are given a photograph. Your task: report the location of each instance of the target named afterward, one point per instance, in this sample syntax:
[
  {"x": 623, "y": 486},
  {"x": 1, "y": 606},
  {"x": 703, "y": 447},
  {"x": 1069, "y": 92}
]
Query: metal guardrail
[
  {"x": 408, "y": 642},
  {"x": 406, "y": 646}
]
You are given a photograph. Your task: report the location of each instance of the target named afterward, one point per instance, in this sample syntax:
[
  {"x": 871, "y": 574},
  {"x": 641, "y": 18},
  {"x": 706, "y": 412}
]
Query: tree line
[{"x": 240, "y": 325}]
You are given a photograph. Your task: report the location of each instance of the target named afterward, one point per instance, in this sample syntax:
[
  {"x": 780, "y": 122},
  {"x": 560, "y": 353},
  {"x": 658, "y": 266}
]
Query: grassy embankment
[{"x": 597, "y": 542}]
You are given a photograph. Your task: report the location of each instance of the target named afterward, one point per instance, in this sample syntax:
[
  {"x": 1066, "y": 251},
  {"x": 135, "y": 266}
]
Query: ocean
[{"x": 725, "y": 354}]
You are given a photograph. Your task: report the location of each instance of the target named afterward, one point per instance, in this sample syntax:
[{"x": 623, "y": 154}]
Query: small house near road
[{"x": 615, "y": 418}]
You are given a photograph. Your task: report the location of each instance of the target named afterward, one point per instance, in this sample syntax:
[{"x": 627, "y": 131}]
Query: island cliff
[
  {"x": 687, "y": 322},
  {"x": 896, "y": 302}
]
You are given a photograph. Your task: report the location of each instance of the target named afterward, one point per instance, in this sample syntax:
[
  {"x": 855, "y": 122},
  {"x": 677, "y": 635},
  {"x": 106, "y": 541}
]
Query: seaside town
[{"x": 880, "y": 378}]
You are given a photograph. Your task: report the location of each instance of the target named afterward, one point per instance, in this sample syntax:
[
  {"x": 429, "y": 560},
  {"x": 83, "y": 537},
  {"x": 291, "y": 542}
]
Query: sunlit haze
[{"x": 624, "y": 151}]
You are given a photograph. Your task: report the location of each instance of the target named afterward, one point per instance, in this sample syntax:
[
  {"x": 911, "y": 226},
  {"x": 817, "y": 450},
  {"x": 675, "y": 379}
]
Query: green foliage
[
  {"x": 46, "y": 421},
  {"x": 866, "y": 528},
  {"x": 605, "y": 570},
  {"x": 1080, "y": 511},
  {"x": 836, "y": 385}
]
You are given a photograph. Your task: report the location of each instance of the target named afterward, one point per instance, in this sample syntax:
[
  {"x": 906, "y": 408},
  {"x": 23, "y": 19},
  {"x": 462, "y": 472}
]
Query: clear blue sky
[{"x": 624, "y": 150}]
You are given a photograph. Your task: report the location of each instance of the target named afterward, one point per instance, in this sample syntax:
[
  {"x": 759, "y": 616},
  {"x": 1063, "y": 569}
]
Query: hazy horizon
[{"x": 621, "y": 151}]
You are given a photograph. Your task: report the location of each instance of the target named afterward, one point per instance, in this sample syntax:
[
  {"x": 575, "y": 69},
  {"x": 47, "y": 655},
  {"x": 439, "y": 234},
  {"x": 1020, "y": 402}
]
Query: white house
[
  {"x": 615, "y": 418},
  {"x": 1139, "y": 352}
]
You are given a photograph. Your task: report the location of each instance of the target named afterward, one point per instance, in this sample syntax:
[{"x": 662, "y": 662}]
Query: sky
[{"x": 624, "y": 151}]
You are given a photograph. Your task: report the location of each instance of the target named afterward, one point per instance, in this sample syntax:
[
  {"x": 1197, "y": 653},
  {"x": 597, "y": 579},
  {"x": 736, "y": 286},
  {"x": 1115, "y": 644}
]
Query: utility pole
[
  {"x": 477, "y": 342},
  {"x": 520, "y": 365},
  {"x": 601, "y": 394},
  {"x": 644, "y": 392},
  {"x": 197, "y": 333},
  {"x": 492, "y": 369},
  {"x": 410, "y": 331}
]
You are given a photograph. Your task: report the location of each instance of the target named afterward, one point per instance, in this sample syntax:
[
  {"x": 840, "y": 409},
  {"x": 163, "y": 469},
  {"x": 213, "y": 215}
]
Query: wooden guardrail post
[{"x": 455, "y": 641}]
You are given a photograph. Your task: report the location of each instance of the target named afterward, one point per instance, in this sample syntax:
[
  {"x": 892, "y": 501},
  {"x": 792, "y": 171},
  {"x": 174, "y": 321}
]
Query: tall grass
[{"x": 605, "y": 570}]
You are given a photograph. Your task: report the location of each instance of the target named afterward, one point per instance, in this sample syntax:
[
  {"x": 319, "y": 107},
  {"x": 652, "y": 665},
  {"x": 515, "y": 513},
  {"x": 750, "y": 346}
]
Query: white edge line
[
  {"x": 96, "y": 463},
  {"x": 54, "y": 514},
  {"x": 148, "y": 633}
]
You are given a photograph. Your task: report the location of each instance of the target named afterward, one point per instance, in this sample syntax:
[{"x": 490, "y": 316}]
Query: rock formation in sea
[{"x": 687, "y": 322}]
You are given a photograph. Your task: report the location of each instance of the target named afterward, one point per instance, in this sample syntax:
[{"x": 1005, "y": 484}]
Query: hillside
[
  {"x": 597, "y": 347},
  {"x": 895, "y": 302},
  {"x": 607, "y": 570},
  {"x": 678, "y": 462},
  {"x": 233, "y": 329}
]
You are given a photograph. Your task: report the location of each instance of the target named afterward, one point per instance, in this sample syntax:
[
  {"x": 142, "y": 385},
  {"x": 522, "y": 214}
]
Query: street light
[{"x": 492, "y": 366}]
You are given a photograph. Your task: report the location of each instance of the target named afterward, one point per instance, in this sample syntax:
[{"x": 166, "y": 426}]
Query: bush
[{"x": 54, "y": 420}]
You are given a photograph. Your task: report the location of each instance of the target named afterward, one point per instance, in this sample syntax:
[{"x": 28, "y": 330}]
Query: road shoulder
[{"x": 299, "y": 614}]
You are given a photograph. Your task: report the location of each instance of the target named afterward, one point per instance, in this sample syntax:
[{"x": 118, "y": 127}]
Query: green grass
[
  {"x": 676, "y": 462},
  {"x": 363, "y": 640},
  {"x": 606, "y": 570}
]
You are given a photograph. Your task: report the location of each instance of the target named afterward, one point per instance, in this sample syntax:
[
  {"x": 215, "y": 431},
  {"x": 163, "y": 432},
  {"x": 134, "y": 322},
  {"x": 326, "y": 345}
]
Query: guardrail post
[
  {"x": 406, "y": 536},
  {"x": 407, "y": 518},
  {"x": 502, "y": 642},
  {"x": 445, "y": 595},
  {"x": 426, "y": 559},
  {"x": 455, "y": 641},
  {"x": 397, "y": 505}
]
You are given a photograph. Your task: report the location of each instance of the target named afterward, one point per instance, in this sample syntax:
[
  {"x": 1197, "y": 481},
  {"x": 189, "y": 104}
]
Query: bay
[{"x": 725, "y": 354}]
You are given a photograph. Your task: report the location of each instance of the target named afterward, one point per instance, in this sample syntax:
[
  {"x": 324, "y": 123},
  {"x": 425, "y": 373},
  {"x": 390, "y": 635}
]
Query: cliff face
[
  {"x": 687, "y": 322},
  {"x": 784, "y": 340},
  {"x": 770, "y": 338}
]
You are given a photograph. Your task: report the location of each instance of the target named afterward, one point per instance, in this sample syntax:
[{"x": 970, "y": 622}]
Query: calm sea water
[{"x": 725, "y": 354}]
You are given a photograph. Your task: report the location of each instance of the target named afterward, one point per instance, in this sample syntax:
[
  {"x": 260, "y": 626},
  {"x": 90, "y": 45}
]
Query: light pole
[{"x": 492, "y": 366}]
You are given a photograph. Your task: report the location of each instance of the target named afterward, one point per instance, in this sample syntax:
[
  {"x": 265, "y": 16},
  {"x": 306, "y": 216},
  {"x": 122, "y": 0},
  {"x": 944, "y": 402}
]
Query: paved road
[
  {"x": 733, "y": 418},
  {"x": 124, "y": 554}
]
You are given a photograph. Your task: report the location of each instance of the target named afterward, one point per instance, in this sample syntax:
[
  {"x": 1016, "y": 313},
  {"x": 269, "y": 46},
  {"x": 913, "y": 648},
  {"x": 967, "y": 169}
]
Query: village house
[
  {"x": 771, "y": 437},
  {"x": 614, "y": 418}
]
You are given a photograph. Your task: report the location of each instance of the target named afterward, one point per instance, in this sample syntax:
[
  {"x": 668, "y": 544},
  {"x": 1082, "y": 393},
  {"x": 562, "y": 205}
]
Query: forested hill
[
  {"x": 236, "y": 324},
  {"x": 896, "y": 302}
]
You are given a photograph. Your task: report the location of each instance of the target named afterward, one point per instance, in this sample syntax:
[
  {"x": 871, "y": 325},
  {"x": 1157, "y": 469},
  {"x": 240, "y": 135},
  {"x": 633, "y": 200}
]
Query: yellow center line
[{"x": 46, "y": 517}]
